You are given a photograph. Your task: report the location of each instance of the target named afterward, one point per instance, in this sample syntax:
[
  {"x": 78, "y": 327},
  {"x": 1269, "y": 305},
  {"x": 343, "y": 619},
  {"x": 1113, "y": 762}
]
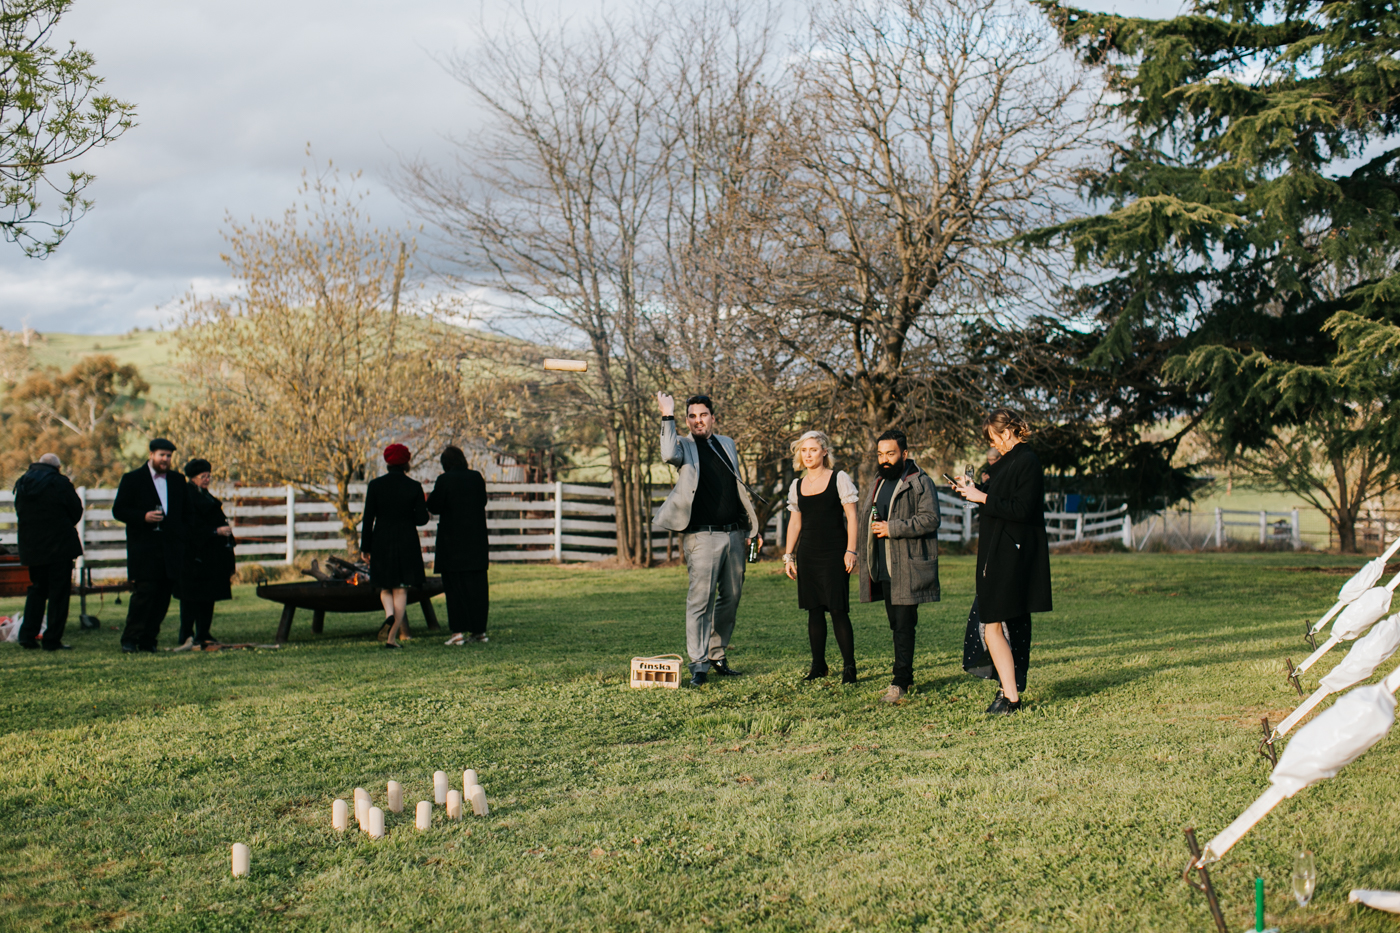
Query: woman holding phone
[
  {"x": 821, "y": 549},
  {"x": 1013, "y": 559}
]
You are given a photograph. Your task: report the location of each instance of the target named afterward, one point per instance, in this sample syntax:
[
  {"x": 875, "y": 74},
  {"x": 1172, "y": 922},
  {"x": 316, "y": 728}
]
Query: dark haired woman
[
  {"x": 821, "y": 549},
  {"x": 394, "y": 508},
  {"x": 1013, "y": 560},
  {"x": 208, "y": 566},
  {"x": 462, "y": 553}
]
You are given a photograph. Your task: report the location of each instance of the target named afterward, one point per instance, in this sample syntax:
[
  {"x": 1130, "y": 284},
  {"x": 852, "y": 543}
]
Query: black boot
[
  {"x": 1001, "y": 706},
  {"x": 848, "y": 674},
  {"x": 818, "y": 671}
]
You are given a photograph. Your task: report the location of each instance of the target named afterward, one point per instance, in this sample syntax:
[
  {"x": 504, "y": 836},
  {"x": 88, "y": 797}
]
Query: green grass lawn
[{"x": 752, "y": 804}]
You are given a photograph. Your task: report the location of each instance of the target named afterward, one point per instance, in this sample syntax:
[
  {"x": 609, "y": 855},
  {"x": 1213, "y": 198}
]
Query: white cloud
[{"x": 228, "y": 97}]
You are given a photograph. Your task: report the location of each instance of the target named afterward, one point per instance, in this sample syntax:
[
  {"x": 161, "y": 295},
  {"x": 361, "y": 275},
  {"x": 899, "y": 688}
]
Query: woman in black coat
[
  {"x": 394, "y": 508},
  {"x": 462, "y": 552},
  {"x": 208, "y": 564},
  {"x": 1013, "y": 559}
]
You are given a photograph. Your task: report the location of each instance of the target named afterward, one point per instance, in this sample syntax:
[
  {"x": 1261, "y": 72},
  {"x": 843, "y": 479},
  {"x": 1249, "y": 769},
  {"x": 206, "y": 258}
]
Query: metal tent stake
[
  {"x": 1202, "y": 880},
  {"x": 1308, "y": 636},
  {"x": 1293, "y": 676},
  {"x": 1266, "y": 748}
]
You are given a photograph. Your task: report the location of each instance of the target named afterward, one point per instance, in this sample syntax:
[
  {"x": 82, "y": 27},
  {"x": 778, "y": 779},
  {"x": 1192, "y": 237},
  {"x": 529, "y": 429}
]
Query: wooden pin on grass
[
  {"x": 454, "y": 805},
  {"x": 439, "y": 787},
  {"x": 362, "y": 805},
  {"x": 240, "y": 860},
  {"x": 395, "y": 795},
  {"x": 374, "y": 823},
  {"x": 566, "y": 366},
  {"x": 340, "y": 816},
  {"x": 423, "y": 818}
]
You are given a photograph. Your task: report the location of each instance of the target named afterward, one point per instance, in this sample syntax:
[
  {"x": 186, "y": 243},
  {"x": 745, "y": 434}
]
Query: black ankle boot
[
  {"x": 1001, "y": 706},
  {"x": 848, "y": 674},
  {"x": 817, "y": 671}
]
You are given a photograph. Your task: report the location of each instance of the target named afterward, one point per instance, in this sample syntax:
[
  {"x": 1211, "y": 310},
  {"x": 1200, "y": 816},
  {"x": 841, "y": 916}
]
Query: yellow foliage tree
[{"x": 317, "y": 361}]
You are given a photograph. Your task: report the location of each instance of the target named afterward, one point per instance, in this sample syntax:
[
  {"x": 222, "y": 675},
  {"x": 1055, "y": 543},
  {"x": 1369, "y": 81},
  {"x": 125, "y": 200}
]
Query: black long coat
[
  {"x": 459, "y": 500},
  {"x": 47, "y": 508},
  {"x": 209, "y": 555},
  {"x": 153, "y": 553},
  {"x": 394, "y": 508},
  {"x": 1013, "y": 552}
]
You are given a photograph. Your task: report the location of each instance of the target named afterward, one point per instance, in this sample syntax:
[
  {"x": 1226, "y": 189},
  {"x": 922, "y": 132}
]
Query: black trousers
[
  {"x": 903, "y": 620},
  {"x": 50, "y": 586},
  {"x": 145, "y": 612},
  {"x": 196, "y": 615},
  {"x": 468, "y": 601}
]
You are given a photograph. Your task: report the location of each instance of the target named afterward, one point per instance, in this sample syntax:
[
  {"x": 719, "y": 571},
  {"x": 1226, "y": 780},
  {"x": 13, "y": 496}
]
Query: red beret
[{"x": 396, "y": 455}]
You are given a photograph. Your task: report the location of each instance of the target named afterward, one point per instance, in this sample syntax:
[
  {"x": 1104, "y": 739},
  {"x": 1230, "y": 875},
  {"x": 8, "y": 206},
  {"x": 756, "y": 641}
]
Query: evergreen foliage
[{"x": 1251, "y": 224}]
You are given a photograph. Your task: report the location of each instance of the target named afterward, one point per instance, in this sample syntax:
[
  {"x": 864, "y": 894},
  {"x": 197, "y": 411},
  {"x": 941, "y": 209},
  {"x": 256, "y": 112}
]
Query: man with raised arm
[{"x": 711, "y": 508}]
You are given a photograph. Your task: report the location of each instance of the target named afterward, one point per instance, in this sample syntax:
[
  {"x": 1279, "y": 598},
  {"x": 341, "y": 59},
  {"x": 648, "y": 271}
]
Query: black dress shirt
[{"x": 717, "y": 490}]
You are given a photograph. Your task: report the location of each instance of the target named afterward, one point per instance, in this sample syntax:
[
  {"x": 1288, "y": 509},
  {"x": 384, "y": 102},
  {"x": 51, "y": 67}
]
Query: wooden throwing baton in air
[{"x": 567, "y": 366}]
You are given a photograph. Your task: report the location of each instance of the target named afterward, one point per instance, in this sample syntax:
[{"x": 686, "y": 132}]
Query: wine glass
[
  {"x": 967, "y": 471},
  {"x": 1304, "y": 878}
]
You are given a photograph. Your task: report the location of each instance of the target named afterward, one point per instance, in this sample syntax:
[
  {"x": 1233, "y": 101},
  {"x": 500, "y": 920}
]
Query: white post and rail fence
[{"x": 526, "y": 521}]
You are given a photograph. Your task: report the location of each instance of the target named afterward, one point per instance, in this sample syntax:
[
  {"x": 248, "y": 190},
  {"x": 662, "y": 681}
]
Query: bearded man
[
  {"x": 151, "y": 503},
  {"x": 898, "y": 556}
]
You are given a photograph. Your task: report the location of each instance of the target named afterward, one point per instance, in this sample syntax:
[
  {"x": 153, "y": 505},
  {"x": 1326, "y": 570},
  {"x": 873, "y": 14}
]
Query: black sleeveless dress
[{"x": 822, "y": 581}]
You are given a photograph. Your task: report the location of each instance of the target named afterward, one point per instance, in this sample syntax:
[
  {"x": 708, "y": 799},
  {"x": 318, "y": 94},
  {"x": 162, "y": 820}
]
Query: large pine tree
[{"x": 1251, "y": 223}]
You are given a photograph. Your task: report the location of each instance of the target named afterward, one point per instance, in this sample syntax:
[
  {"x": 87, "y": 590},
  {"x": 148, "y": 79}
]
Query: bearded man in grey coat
[
  {"x": 711, "y": 508},
  {"x": 898, "y": 557}
]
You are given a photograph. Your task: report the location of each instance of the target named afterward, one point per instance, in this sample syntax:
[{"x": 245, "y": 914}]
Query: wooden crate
[{"x": 661, "y": 671}]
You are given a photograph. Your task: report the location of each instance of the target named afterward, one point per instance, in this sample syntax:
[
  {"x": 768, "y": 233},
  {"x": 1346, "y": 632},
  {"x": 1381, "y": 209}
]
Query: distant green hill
[{"x": 148, "y": 350}]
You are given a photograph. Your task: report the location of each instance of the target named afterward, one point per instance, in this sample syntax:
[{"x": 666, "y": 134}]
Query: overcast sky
[{"x": 228, "y": 96}]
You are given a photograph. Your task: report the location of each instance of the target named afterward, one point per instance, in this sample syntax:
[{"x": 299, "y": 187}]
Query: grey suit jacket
[{"x": 680, "y": 452}]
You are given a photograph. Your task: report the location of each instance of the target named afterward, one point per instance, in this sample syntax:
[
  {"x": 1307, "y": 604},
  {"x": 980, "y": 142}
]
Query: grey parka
[{"x": 913, "y": 540}]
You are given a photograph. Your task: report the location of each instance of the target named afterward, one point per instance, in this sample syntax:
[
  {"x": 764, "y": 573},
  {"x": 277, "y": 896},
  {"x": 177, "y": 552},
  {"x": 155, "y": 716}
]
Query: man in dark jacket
[
  {"x": 47, "y": 508},
  {"x": 461, "y": 554},
  {"x": 899, "y": 550},
  {"x": 151, "y": 503}
]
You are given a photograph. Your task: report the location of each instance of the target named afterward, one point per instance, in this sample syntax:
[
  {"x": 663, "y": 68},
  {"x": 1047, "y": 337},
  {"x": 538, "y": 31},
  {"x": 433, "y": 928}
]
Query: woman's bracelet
[
  {"x": 851, "y": 552},
  {"x": 788, "y": 558}
]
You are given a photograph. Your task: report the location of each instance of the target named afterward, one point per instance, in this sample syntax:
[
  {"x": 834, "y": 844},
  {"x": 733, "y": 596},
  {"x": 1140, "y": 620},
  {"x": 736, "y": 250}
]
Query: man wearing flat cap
[{"x": 151, "y": 503}]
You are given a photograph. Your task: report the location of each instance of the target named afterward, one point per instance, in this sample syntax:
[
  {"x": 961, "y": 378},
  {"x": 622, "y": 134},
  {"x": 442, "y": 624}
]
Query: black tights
[{"x": 845, "y": 638}]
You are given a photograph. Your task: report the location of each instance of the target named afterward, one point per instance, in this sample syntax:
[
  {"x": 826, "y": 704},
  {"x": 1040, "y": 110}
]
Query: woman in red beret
[{"x": 394, "y": 508}]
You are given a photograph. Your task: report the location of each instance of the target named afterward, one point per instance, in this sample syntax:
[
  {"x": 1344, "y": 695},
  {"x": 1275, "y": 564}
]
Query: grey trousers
[{"x": 716, "y": 561}]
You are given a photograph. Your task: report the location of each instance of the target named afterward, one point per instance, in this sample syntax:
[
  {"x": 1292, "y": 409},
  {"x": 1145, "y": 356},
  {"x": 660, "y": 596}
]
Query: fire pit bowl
[{"x": 322, "y": 597}]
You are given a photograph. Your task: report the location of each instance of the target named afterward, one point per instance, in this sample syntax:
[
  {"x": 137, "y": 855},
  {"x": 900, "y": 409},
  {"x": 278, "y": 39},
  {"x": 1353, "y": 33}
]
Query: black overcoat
[
  {"x": 394, "y": 508},
  {"x": 459, "y": 500},
  {"x": 47, "y": 509},
  {"x": 1013, "y": 552},
  {"x": 153, "y": 552},
  {"x": 209, "y": 555}
]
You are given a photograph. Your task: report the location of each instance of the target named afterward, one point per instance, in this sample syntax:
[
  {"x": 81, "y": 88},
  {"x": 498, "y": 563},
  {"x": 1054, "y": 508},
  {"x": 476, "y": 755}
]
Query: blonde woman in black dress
[{"x": 821, "y": 549}]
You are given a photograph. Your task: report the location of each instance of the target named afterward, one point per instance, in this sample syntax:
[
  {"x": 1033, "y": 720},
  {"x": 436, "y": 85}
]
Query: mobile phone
[{"x": 951, "y": 481}]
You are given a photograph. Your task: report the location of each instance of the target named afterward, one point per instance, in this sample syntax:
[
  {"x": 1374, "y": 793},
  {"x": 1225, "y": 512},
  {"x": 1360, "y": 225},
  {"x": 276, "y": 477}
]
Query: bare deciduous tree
[
  {"x": 317, "y": 361},
  {"x": 568, "y": 209},
  {"x": 923, "y": 137}
]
